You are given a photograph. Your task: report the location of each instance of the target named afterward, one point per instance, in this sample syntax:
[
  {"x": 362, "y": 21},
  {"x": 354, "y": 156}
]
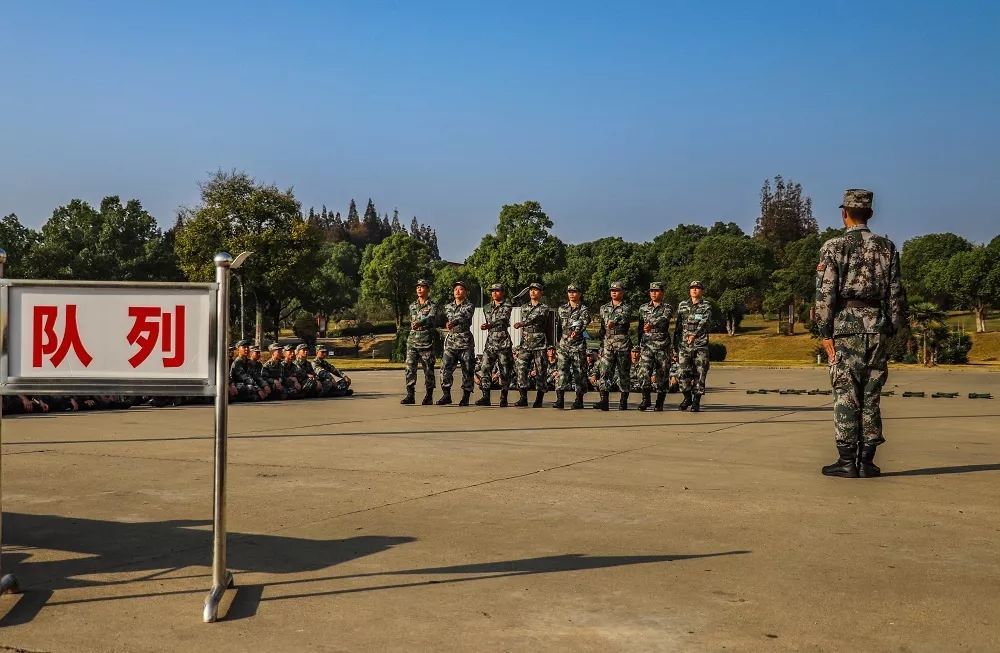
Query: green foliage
[
  {"x": 918, "y": 257},
  {"x": 331, "y": 288},
  {"x": 955, "y": 348},
  {"x": 735, "y": 271},
  {"x": 716, "y": 352},
  {"x": 599, "y": 263},
  {"x": 971, "y": 278},
  {"x": 785, "y": 214},
  {"x": 19, "y": 242},
  {"x": 445, "y": 275},
  {"x": 391, "y": 270},
  {"x": 674, "y": 252},
  {"x": 399, "y": 345}
]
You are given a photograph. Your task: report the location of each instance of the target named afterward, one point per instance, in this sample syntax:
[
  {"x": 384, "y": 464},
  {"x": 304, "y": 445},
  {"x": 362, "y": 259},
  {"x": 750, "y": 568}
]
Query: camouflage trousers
[
  {"x": 424, "y": 358},
  {"x": 572, "y": 364},
  {"x": 858, "y": 373},
  {"x": 692, "y": 369},
  {"x": 502, "y": 358},
  {"x": 246, "y": 392},
  {"x": 616, "y": 369},
  {"x": 523, "y": 363},
  {"x": 338, "y": 388},
  {"x": 466, "y": 359},
  {"x": 655, "y": 360}
]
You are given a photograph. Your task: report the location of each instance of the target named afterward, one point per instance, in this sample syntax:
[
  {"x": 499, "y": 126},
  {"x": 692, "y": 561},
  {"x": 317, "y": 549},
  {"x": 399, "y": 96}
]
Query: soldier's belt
[
  {"x": 531, "y": 330},
  {"x": 859, "y": 303},
  {"x": 618, "y": 331}
]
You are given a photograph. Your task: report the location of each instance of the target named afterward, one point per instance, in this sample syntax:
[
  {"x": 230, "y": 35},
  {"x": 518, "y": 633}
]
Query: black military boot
[
  {"x": 684, "y": 405},
  {"x": 464, "y": 401},
  {"x": 660, "y": 398},
  {"x": 560, "y": 402},
  {"x": 623, "y": 401},
  {"x": 428, "y": 398},
  {"x": 696, "y": 404},
  {"x": 539, "y": 394},
  {"x": 445, "y": 397},
  {"x": 866, "y": 465},
  {"x": 578, "y": 402},
  {"x": 603, "y": 403},
  {"x": 522, "y": 400},
  {"x": 408, "y": 400},
  {"x": 645, "y": 403},
  {"x": 485, "y": 399},
  {"x": 503, "y": 398},
  {"x": 845, "y": 465}
]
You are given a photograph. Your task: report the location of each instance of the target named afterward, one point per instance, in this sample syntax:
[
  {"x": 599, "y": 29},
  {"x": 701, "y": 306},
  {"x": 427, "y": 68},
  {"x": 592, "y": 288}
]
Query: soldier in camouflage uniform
[
  {"x": 573, "y": 320},
  {"x": 654, "y": 336},
  {"x": 459, "y": 348},
  {"x": 860, "y": 302},
  {"x": 694, "y": 321},
  {"x": 638, "y": 379},
  {"x": 593, "y": 370},
  {"x": 272, "y": 373},
  {"x": 340, "y": 383},
  {"x": 256, "y": 369},
  {"x": 615, "y": 362},
  {"x": 420, "y": 344},
  {"x": 240, "y": 376},
  {"x": 304, "y": 372},
  {"x": 289, "y": 379},
  {"x": 498, "y": 349},
  {"x": 534, "y": 318}
]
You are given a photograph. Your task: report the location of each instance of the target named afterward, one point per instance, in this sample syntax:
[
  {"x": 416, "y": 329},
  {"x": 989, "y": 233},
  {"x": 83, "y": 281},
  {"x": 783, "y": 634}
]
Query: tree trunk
[
  {"x": 980, "y": 312},
  {"x": 923, "y": 354},
  {"x": 791, "y": 319},
  {"x": 258, "y": 329},
  {"x": 730, "y": 325}
]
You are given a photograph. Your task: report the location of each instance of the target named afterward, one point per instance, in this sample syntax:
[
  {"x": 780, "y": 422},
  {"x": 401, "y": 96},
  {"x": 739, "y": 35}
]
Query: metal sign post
[
  {"x": 8, "y": 584},
  {"x": 148, "y": 339}
]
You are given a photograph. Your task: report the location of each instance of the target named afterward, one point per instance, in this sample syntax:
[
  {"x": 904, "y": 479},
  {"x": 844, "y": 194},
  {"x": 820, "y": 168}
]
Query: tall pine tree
[{"x": 785, "y": 214}]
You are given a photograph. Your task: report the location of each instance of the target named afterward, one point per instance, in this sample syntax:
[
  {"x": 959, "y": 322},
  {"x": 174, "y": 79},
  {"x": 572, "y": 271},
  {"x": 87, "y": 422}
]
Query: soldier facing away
[
  {"x": 615, "y": 361},
  {"x": 572, "y": 350},
  {"x": 694, "y": 322},
  {"x": 654, "y": 338},
  {"x": 420, "y": 344},
  {"x": 498, "y": 351},
  {"x": 860, "y": 302},
  {"x": 459, "y": 348},
  {"x": 531, "y": 353}
]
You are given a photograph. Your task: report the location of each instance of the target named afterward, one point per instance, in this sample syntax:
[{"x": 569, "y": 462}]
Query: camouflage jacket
[
  {"x": 239, "y": 371},
  {"x": 858, "y": 287},
  {"x": 272, "y": 370},
  {"x": 637, "y": 377},
  {"x": 288, "y": 370},
  {"x": 256, "y": 369},
  {"x": 302, "y": 369},
  {"x": 498, "y": 321},
  {"x": 658, "y": 318},
  {"x": 324, "y": 365},
  {"x": 573, "y": 324},
  {"x": 693, "y": 320},
  {"x": 614, "y": 326},
  {"x": 425, "y": 318},
  {"x": 534, "y": 317},
  {"x": 459, "y": 335}
]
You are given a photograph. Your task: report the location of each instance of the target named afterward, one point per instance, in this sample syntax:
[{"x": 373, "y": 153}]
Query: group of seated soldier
[
  {"x": 286, "y": 374},
  {"x": 23, "y": 404}
]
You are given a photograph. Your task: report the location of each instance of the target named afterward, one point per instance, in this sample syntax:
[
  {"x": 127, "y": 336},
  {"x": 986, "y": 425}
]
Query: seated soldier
[
  {"x": 240, "y": 377},
  {"x": 293, "y": 389},
  {"x": 636, "y": 382},
  {"x": 256, "y": 369},
  {"x": 304, "y": 372},
  {"x": 327, "y": 372},
  {"x": 271, "y": 372},
  {"x": 674, "y": 385}
]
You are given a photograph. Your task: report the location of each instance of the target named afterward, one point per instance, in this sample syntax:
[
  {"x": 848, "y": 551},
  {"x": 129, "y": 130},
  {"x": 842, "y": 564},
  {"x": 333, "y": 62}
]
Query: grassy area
[{"x": 768, "y": 348}]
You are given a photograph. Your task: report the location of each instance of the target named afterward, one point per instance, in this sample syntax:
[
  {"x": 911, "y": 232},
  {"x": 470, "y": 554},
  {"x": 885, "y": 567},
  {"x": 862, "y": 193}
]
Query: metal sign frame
[{"x": 217, "y": 385}]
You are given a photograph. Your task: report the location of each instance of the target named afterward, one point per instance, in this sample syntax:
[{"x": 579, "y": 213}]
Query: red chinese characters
[
  {"x": 47, "y": 343},
  {"x": 154, "y": 326}
]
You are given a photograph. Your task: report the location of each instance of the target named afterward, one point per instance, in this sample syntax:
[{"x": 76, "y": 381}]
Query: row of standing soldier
[{"x": 693, "y": 321}]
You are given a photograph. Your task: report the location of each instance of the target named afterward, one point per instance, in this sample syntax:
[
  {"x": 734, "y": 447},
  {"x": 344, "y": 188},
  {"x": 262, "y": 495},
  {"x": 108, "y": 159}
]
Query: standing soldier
[
  {"x": 271, "y": 371},
  {"x": 573, "y": 320},
  {"x": 694, "y": 321},
  {"x": 459, "y": 348},
  {"x": 615, "y": 362},
  {"x": 497, "y": 352},
  {"x": 420, "y": 344},
  {"x": 340, "y": 383},
  {"x": 654, "y": 336},
  {"x": 860, "y": 302},
  {"x": 534, "y": 317}
]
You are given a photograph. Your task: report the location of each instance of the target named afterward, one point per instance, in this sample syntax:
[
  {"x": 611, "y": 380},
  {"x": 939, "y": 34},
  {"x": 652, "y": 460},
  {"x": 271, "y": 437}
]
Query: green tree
[
  {"x": 794, "y": 283},
  {"x": 971, "y": 278},
  {"x": 19, "y": 242},
  {"x": 674, "y": 251},
  {"x": 735, "y": 271},
  {"x": 927, "y": 324},
  {"x": 239, "y": 214},
  {"x": 445, "y": 275},
  {"x": 606, "y": 260},
  {"x": 332, "y": 286},
  {"x": 785, "y": 214},
  {"x": 391, "y": 270},
  {"x": 520, "y": 251},
  {"x": 917, "y": 258}
]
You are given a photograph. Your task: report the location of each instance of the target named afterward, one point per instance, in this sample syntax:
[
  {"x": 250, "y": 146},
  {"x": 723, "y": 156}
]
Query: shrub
[
  {"x": 305, "y": 329},
  {"x": 955, "y": 348},
  {"x": 716, "y": 352}
]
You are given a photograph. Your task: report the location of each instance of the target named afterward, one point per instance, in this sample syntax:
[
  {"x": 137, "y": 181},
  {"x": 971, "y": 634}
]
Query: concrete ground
[{"x": 360, "y": 524}]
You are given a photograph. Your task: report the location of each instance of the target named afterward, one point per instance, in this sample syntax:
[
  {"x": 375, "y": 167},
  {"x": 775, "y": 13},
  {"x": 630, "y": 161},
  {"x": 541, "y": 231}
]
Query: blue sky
[{"x": 620, "y": 118}]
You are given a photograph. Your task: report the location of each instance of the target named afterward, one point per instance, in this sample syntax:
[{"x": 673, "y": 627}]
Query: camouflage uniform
[
  {"x": 498, "y": 350},
  {"x": 692, "y": 358},
  {"x": 534, "y": 317},
  {"x": 240, "y": 376},
  {"x": 288, "y": 373},
  {"x": 328, "y": 373},
  {"x": 303, "y": 370},
  {"x": 638, "y": 376},
  {"x": 272, "y": 373},
  {"x": 860, "y": 301},
  {"x": 655, "y": 345},
  {"x": 420, "y": 344},
  {"x": 615, "y": 361},
  {"x": 572, "y": 348},
  {"x": 459, "y": 348}
]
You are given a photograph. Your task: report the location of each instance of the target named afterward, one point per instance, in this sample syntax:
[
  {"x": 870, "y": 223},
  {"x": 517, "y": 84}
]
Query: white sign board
[{"x": 75, "y": 337}]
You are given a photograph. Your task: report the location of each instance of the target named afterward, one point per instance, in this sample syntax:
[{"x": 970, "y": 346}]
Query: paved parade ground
[{"x": 360, "y": 524}]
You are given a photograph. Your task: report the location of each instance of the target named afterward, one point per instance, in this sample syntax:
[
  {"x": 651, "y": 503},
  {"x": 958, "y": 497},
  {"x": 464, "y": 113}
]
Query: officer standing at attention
[
  {"x": 615, "y": 361},
  {"x": 420, "y": 344},
  {"x": 572, "y": 350},
  {"x": 860, "y": 302},
  {"x": 498, "y": 350},
  {"x": 534, "y": 317},
  {"x": 459, "y": 348},
  {"x": 694, "y": 321},
  {"x": 654, "y": 339}
]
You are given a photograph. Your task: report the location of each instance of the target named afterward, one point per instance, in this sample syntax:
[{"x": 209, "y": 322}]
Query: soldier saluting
[
  {"x": 459, "y": 348},
  {"x": 860, "y": 302},
  {"x": 615, "y": 361},
  {"x": 420, "y": 344},
  {"x": 572, "y": 350},
  {"x": 534, "y": 316},
  {"x": 498, "y": 350}
]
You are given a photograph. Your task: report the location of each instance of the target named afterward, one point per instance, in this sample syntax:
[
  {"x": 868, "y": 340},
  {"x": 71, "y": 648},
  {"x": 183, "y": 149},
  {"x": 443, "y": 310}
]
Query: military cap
[
  {"x": 617, "y": 285},
  {"x": 321, "y": 348},
  {"x": 637, "y": 349},
  {"x": 536, "y": 286},
  {"x": 656, "y": 285},
  {"x": 424, "y": 282},
  {"x": 254, "y": 348},
  {"x": 459, "y": 282},
  {"x": 572, "y": 288},
  {"x": 288, "y": 348},
  {"x": 857, "y": 198},
  {"x": 273, "y": 347},
  {"x": 243, "y": 343},
  {"x": 696, "y": 284},
  {"x": 496, "y": 287},
  {"x": 302, "y": 346}
]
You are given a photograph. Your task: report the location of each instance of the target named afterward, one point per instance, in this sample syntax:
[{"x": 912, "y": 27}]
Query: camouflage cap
[
  {"x": 274, "y": 347},
  {"x": 321, "y": 348},
  {"x": 242, "y": 343},
  {"x": 617, "y": 285},
  {"x": 637, "y": 349},
  {"x": 302, "y": 347},
  {"x": 497, "y": 287},
  {"x": 288, "y": 348},
  {"x": 536, "y": 286},
  {"x": 656, "y": 285},
  {"x": 857, "y": 198},
  {"x": 459, "y": 282},
  {"x": 552, "y": 347},
  {"x": 254, "y": 348},
  {"x": 572, "y": 288},
  {"x": 424, "y": 282},
  {"x": 696, "y": 284}
]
